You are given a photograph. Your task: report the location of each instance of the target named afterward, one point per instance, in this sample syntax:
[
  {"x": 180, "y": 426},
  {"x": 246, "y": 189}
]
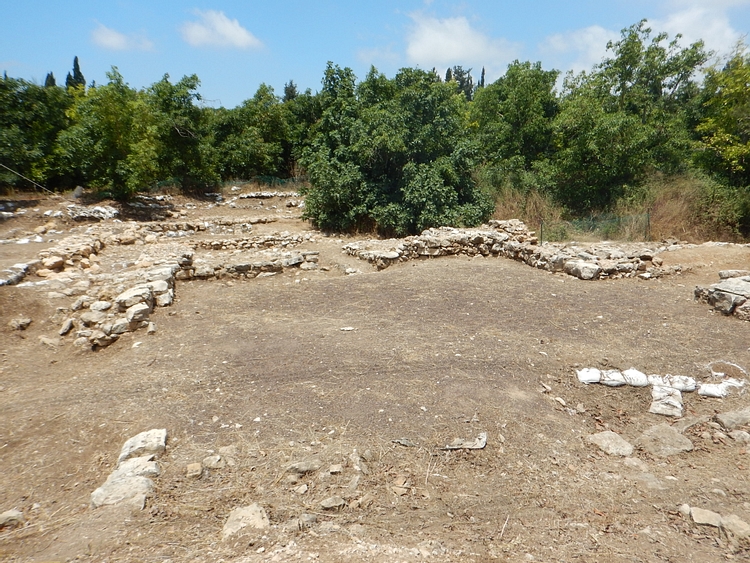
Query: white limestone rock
[
  {"x": 145, "y": 443},
  {"x": 253, "y": 516},
  {"x": 611, "y": 443}
]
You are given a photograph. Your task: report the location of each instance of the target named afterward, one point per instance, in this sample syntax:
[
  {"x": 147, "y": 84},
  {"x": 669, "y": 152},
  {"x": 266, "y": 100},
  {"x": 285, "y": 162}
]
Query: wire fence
[
  {"x": 598, "y": 227},
  {"x": 272, "y": 181}
]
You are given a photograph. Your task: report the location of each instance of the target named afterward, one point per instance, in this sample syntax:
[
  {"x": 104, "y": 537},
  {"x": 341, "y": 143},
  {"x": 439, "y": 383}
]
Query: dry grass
[
  {"x": 532, "y": 207},
  {"x": 686, "y": 207}
]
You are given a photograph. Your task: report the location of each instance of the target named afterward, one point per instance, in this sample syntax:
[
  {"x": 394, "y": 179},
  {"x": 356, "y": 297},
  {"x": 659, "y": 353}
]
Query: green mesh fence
[{"x": 271, "y": 181}]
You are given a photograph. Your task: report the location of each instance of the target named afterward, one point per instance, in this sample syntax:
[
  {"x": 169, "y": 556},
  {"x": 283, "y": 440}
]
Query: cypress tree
[
  {"x": 290, "y": 91},
  {"x": 448, "y": 75},
  {"x": 49, "y": 81},
  {"x": 481, "y": 79},
  {"x": 464, "y": 81},
  {"x": 77, "y": 78}
]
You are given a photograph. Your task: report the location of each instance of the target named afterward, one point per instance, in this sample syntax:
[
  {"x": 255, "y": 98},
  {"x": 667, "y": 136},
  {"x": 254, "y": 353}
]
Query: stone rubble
[
  {"x": 730, "y": 296},
  {"x": 731, "y": 523},
  {"x": 512, "y": 239},
  {"x": 21, "y": 323},
  {"x": 267, "y": 195},
  {"x": 89, "y": 213},
  {"x": 131, "y": 480},
  {"x": 734, "y": 419},
  {"x": 663, "y": 440}
]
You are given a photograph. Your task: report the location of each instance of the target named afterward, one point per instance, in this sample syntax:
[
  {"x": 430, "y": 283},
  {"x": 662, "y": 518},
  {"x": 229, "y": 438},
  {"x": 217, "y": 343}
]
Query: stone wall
[
  {"x": 731, "y": 296},
  {"x": 512, "y": 239}
]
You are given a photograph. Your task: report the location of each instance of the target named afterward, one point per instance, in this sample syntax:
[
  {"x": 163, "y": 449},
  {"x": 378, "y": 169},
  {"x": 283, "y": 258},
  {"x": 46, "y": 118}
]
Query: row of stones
[
  {"x": 151, "y": 232},
  {"x": 71, "y": 252},
  {"x": 283, "y": 240},
  {"x": 305, "y": 260},
  {"x": 81, "y": 250},
  {"x": 731, "y": 296},
  {"x": 512, "y": 239}
]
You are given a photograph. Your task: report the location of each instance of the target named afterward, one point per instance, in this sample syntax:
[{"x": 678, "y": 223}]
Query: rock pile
[
  {"x": 730, "y": 296},
  {"x": 104, "y": 321},
  {"x": 731, "y": 523},
  {"x": 91, "y": 213},
  {"x": 131, "y": 480},
  {"x": 72, "y": 251}
]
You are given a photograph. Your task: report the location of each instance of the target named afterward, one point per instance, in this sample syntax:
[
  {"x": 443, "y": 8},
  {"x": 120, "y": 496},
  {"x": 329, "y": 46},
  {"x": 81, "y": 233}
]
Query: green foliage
[
  {"x": 462, "y": 79},
  {"x": 31, "y": 117},
  {"x": 624, "y": 119},
  {"x": 400, "y": 154},
  {"x": 123, "y": 140},
  {"x": 391, "y": 155},
  {"x": 251, "y": 140},
  {"x": 99, "y": 141},
  {"x": 512, "y": 120},
  {"x": 184, "y": 152},
  {"x": 724, "y": 129},
  {"x": 290, "y": 91},
  {"x": 303, "y": 113}
]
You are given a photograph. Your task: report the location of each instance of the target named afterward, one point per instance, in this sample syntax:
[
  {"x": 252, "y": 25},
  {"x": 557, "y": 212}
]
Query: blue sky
[{"x": 234, "y": 45}]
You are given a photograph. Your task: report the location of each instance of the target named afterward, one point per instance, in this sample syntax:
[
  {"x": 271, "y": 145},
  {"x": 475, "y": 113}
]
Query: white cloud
[
  {"x": 708, "y": 21},
  {"x": 453, "y": 41},
  {"x": 111, "y": 39},
  {"x": 694, "y": 19},
  {"x": 582, "y": 48},
  {"x": 216, "y": 30}
]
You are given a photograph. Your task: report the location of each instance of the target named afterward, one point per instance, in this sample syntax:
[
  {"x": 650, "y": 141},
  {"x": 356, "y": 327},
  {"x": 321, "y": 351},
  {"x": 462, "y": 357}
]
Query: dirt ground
[{"x": 440, "y": 349}]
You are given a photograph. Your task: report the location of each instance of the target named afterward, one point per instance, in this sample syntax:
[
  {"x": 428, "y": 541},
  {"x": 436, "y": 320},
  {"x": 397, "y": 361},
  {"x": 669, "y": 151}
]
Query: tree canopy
[{"x": 397, "y": 155}]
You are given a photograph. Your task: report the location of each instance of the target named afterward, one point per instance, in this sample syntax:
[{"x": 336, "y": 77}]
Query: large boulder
[
  {"x": 134, "y": 296},
  {"x": 582, "y": 269}
]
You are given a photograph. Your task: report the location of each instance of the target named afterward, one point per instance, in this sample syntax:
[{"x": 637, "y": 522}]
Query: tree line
[{"x": 397, "y": 155}]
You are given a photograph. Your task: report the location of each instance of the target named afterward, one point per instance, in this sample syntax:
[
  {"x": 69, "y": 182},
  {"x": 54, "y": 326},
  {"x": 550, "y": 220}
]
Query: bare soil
[{"x": 441, "y": 349}]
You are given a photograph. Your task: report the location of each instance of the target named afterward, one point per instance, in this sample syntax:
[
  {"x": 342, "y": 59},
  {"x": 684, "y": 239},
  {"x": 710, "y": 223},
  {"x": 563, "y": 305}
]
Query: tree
[
  {"x": 252, "y": 139},
  {"x": 76, "y": 80},
  {"x": 181, "y": 130},
  {"x": 290, "y": 91},
  {"x": 724, "y": 128},
  {"x": 463, "y": 79},
  {"x": 481, "y": 79},
  {"x": 303, "y": 113},
  {"x": 31, "y": 118},
  {"x": 449, "y": 74},
  {"x": 123, "y": 140},
  {"x": 49, "y": 80},
  {"x": 625, "y": 119},
  {"x": 513, "y": 116},
  {"x": 102, "y": 136},
  {"x": 391, "y": 155}
]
